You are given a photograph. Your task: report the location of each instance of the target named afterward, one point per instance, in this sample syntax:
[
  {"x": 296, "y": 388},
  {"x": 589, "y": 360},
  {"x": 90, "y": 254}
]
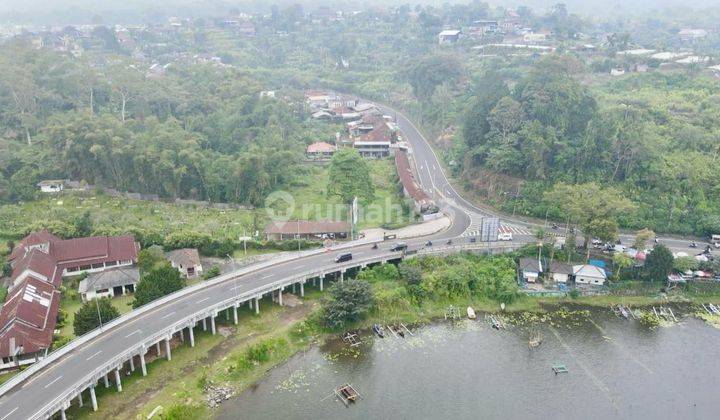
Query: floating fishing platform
[
  {"x": 623, "y": 311},
  {"x": 665, "y": 313},
  {"x": 495, "y": 321},
  {"x": 711, "y": 309},
  {"x": 452, "y": 312},
  {"x": 396, "y": 331},
  {"x": 560, "y": 369},
  {"x": 352, "y": 339},
  {"x": 534, "y": 341},
  {"x": 347, "y": 394}
]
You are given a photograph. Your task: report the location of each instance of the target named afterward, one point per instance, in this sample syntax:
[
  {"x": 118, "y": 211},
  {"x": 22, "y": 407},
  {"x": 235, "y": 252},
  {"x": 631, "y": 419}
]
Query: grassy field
[
  {"x": 221, "y": 360},
  {"x": 311, "y": 201},
  {"x": 119, "y": 214},
  {"x": 71, "y": 302}
]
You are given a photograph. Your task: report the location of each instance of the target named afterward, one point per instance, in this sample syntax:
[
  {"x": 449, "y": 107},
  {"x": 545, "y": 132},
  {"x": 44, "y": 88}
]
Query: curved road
[{"x": 29, "y": 398}]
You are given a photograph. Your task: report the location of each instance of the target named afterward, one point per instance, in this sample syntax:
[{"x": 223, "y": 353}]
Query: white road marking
[
  {"x": 133, "y": 333},
  {"x": 299, "y": 266},
  {"x": 52, "y": 382},
  {"x": 168, "y": 315},
  {"x": 266, "y": 276},
  {"x": 9, "y": 414},
  {"x": 203, "y": 300},
  {"x": 99, "y": 351}
]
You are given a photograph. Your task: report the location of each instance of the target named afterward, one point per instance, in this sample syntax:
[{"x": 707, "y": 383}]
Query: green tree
[
  {"x": 88, "y": 317},
  {"x": 160, "y": 281},
  {"x": 84, "y": 224},
  {"x": 659, "y": 263},
  {"x": 621, "y": 261},
  {"x": 642, "y": 237},
  {"x": 683, "y": 264},
  {"x": 347, "y": 302},
  {"x": 150, "y": 258},
  {"x": 596, "y": 209},
  {"x": 349, "y": 177}
]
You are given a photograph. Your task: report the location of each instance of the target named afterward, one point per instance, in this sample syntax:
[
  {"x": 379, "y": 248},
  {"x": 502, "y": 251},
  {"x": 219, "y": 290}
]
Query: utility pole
[
  {"x": 245, "y": 241},
  {"x": 97, "y": 306},
  {"x": 298, "y": 234}
]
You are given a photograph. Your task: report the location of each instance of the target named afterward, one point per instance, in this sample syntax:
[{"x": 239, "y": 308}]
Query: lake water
[{"x": 467, "y": 370}]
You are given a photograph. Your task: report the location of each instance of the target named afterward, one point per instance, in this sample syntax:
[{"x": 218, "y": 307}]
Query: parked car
[
  {"x": 400, "y": 246},
  {"x": 505, "y": 236},
  {"x": 343, "y": 257}
]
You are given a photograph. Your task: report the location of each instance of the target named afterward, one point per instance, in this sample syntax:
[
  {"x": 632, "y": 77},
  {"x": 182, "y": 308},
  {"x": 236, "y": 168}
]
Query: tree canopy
[
  {"x": 88, "y": 316},
  {"x": 158, "y": 282},
  {"x": 349, "y": 177}
]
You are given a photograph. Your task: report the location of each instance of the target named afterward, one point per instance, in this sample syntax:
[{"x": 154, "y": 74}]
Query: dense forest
[
  {"x": 198, "y": 132},
  {"x": 655, "y": 137}
]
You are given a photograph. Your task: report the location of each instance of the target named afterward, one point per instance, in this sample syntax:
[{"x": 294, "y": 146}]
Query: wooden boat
[
  {"x": 471, "y": 313},
  {"x": 347, "y": 394},
  {"x": 379, "y": 330}
]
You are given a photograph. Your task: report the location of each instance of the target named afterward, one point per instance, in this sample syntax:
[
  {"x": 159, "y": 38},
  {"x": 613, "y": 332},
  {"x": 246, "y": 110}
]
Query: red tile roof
[
  {"x": 41, "y": 263},
  {"x": 379, "y": 134},
  {"x": 307, "y": 227},
  {"x": 321, "y": 147},
  {"x": 28, "y": 317},
  {"x": 35, "y": 238},
  {"x": 407, "y": 178},
  {"x": 94, "y": 249}
]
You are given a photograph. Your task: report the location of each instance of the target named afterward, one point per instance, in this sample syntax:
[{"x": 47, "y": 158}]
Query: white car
[{"x": 505, "y": 236}]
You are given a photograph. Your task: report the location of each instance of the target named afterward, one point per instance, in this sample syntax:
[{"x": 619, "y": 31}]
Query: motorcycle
[
  {"x": 374, "y": 246},
  {"x": 449, "y": 242},
  {"x": 555, "y": 226},
  {"x": 428, "y": 243},
  {"x": 693, "y": 245}
]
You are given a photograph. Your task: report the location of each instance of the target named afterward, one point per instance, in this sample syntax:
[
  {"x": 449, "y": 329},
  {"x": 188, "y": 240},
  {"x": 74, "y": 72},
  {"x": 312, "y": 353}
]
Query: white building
[
  {"x": 449, "y": 36},
  {"x": 52, "y": 186},
  {"x": 589, "y": 274},
  {"x": 110, "y": 283}
]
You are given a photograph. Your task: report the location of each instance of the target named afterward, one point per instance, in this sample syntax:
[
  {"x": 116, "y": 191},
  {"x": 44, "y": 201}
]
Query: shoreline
[{"x": 220, "y": 366}]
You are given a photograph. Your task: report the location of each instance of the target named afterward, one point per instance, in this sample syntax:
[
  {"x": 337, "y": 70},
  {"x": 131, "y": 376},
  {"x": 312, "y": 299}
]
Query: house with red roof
[
  {"x": 27, "y": 322},
  {"x": 39, "y": 262},
  {"x": 320, "y": 150}
]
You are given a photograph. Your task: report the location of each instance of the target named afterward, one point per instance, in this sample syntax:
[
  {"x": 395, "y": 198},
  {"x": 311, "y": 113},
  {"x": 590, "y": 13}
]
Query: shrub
[
  {"x": 347, "y": 302},
  {"x": 214, "y": 271},
  {"x": 88, "y": 317}
]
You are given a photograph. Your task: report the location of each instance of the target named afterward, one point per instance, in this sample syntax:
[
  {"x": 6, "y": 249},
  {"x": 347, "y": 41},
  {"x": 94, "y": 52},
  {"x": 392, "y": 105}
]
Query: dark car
[
  {"x": 343, "y": 257},
  {"x": 400, "y": 246}
]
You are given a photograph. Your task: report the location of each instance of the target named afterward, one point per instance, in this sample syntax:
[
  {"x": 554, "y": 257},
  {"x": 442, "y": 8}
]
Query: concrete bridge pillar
[
  {"x": 294, "y": 288},
  {"x": 302, "y": 289},
  {"x": 257, "y": 306},
  {"x": 250, "y": 303},
  {"x": 62, "y": 414},
  {"x": 132, "y": 363},
  {"x": 204, "y": 322},
  {"x": 321, "y": 283},
  {"x": 117, "y": 380},
  {"x": 182, "y": 335},
  {"x": 280, "y": 296},
  {"x": 142, "y": 363},
  {"x": 167, "y": 348},
  {"x": 80, "y": 400},
  {"x": 192, "y": 336},
  {"x": 235, "y": 316},
  {"x": 342, "y": 276},
  {"x": 157, "y": 349},
  {"x": 212, "y": 324},
  {"x": 107, "y": 382},
  {"x": 93, "y": 398}
]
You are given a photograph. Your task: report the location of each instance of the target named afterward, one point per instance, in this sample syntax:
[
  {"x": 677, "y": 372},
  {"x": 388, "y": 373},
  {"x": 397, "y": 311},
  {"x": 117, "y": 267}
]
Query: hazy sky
[{"x": 83, "y": 10}]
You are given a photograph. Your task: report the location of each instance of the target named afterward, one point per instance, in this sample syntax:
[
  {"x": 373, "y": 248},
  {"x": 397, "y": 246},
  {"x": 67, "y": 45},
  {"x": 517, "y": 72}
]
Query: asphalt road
[
  {"x": 28, "y": 398},
  {"x": 31, "y": 396}
]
